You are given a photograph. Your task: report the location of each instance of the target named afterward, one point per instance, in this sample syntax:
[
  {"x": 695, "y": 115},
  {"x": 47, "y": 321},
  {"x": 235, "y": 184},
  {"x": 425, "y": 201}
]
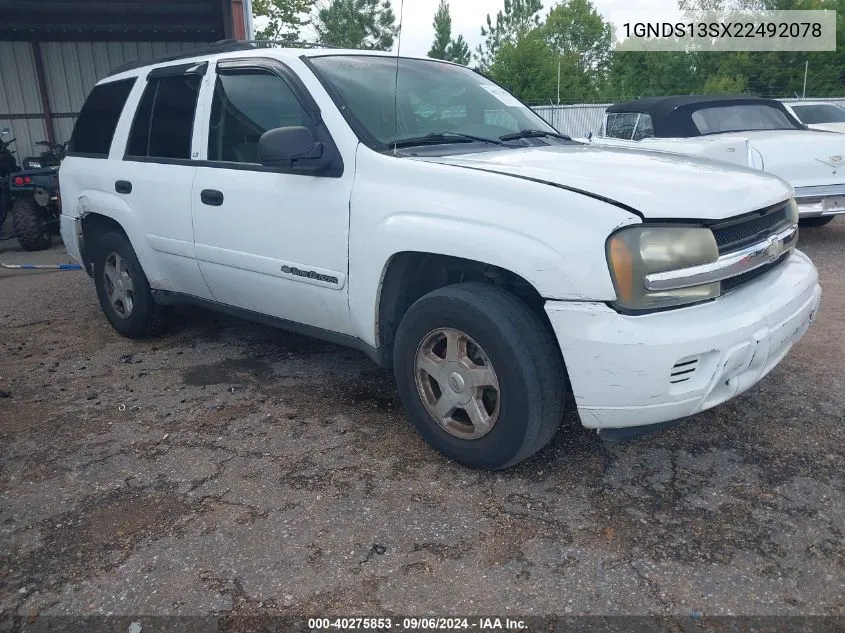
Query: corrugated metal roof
[{"x": 110, "y": 20}]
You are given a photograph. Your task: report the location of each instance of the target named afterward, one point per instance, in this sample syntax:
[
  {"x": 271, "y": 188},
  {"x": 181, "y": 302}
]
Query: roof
[
  {"x": 115, "y": 20},
  {"x": 671, "y": 115},
  {"x": 233, "y": 49},
  {"x": 662, "y": 106}
]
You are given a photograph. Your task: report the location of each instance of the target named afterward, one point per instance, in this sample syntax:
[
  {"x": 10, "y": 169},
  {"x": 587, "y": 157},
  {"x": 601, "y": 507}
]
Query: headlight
[
  {"x": 635, "y": 252},
  {"x": 793, "y": 210}
]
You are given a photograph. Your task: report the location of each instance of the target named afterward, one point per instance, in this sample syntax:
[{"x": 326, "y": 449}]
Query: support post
[
  {"x": 806, "y": 70},
  {"x": 42, "y": 89}
]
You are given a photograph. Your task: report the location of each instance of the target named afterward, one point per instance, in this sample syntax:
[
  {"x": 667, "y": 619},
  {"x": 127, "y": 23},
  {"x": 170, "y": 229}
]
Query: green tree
[
  {"x": 458, "y": 51},
  {"x": 442, "y": 32},
  {"x": 519, "y": 18},
  {"x": 527, "y": 67},
  {"x": 444, "y": 47},
  {"x": 579, "y": 34},
  {"x": 357, "y": 24},
  {"x": 284, "y": 18}
]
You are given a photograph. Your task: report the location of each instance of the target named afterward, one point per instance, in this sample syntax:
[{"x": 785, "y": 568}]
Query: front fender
[{"x": 551, "y": 237}]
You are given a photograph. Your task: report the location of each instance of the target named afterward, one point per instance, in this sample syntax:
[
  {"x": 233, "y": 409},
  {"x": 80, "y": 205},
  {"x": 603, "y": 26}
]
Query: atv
[
  {"x": 8, "y": 165},
  {"x": 36, "y": 207}
]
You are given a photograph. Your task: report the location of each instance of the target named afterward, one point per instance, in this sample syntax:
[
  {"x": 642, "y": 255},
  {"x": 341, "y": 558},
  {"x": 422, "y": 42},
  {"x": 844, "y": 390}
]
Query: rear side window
[
  {"x": 164, "y": 121},
  {"x": 95, "y": 126}
]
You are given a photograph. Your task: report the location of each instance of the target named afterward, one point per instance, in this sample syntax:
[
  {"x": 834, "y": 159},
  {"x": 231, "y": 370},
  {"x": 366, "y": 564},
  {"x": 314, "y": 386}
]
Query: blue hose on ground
[{"x": 41, "y": 266}]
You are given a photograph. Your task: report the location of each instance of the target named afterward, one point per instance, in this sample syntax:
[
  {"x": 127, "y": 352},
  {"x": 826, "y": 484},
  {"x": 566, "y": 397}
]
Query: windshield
[
  {"x": 820, "y": 113},
  {"x": 432, "y": 98},
  {"x": 741, "y": 118}
]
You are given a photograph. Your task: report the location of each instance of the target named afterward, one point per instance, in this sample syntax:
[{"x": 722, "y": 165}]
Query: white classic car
[
  {"x": 750, "y": 131},
  {"x": 819, "y": 115}
]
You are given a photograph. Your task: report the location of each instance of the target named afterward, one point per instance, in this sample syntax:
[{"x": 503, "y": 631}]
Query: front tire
[
  {"x": 816, "y": 222},
  {"x": 30, "y": 224},
  {"x": 479, "y": 375},
  {"x": 123, "y": 289}
]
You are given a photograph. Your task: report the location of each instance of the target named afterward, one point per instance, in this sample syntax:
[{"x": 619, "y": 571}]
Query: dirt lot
[{"x": 231, "y": 468}]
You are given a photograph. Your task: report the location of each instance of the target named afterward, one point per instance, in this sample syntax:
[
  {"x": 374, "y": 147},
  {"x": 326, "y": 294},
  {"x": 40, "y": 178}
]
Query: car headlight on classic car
[{"x": 638, "y": 251}]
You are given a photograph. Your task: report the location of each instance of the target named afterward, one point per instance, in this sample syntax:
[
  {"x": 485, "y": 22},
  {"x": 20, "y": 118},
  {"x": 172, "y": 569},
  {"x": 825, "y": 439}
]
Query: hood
[
  {"x": 829, "y": 127},
  {"x": 804, "y": 158},
  {"x": 656, "y": 184}
]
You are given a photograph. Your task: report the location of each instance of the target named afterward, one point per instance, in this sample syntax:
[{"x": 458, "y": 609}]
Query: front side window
[
  {"x": 94, "y": 129},
  {"x": 741, "y": 118},
  {"x": 164, "y": 121},
  {"x": 246, "y": 104},
  {"x": 432, "y": 98},
  {"x": 820, "y": 113}
]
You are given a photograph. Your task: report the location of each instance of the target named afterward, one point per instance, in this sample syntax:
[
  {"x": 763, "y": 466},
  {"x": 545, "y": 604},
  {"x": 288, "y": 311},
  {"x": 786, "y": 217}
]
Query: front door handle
[
  {"x": 211, "y": 197},
  {"x": 123, "y": 186}
]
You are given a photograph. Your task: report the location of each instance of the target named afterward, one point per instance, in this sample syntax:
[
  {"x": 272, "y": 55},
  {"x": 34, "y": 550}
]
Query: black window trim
[
  {"x": 306, "y": 100},
  {"x": 154, "y": 159},
  {"x": 194, "y": 68},
  {"x": 98, "y": 155}
]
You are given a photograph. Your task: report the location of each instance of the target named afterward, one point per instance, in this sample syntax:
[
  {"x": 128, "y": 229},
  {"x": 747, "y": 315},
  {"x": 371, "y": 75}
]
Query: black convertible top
[{"x": 671, "y": 116}]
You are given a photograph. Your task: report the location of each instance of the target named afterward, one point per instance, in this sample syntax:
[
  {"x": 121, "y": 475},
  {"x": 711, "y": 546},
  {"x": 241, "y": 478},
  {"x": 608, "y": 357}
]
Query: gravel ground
[{"x": 228, "y": 468}]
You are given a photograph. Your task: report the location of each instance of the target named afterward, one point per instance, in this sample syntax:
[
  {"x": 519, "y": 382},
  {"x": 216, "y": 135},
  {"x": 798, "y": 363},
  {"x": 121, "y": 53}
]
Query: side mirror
[{"x": 291, "y": 148}]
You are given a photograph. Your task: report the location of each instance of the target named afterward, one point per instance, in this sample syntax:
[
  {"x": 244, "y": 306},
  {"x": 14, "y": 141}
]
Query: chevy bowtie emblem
[
  {"x": 832, "y": 161},
  {"x": 775, "y": 248}
]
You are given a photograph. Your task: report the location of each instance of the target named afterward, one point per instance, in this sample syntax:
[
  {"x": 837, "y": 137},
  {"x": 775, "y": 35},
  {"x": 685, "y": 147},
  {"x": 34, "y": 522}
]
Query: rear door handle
[
  {"x": 211, "y": 197},
  {"x": 123, "y": 186}
]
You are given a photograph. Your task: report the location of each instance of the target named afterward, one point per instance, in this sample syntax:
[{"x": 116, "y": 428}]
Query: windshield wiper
[
  {"x": 436, "y": 138},
  {"x": 533, "y": 134}
]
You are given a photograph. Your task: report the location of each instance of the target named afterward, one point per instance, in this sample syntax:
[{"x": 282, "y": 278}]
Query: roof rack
[{"x": 221, "y": 46}]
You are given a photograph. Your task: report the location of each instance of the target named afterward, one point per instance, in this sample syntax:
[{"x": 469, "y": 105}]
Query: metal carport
[{"x": 53, "y": 51}]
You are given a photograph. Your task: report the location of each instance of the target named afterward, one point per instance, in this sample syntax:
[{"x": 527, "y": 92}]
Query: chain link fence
[{"x": 578, "y": 120}]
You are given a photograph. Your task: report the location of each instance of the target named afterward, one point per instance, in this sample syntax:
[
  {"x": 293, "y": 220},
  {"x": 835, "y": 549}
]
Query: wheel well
[
  {"x": 93, "y": 226},
  {"x": 410, "y": 275}
]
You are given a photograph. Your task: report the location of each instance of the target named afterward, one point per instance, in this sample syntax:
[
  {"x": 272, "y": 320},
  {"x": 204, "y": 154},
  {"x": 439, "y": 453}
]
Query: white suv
[{"x": 445, "y": 230}]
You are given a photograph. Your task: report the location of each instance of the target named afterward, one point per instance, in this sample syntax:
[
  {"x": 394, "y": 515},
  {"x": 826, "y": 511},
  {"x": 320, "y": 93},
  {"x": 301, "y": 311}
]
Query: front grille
[
  {"x": 735, "y": 282},
  {"x": 738, "y": 233}
]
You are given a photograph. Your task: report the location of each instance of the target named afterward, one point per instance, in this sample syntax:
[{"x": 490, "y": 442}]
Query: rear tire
[
  {"x": 30, "y": 224},
  {"x": 498, "y": 336},
  {"x": 123, "y": 289},
  {"x": 816, "y": 222}
]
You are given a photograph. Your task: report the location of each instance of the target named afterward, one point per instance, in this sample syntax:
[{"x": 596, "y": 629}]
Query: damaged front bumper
[{"x": 629, "y": 371}]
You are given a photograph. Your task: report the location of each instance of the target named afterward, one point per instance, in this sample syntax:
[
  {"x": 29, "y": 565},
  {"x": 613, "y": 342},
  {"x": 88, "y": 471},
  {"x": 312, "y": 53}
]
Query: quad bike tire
[
  {"x": 5, "y": 203},
  {"x": 30, "y": 224}
]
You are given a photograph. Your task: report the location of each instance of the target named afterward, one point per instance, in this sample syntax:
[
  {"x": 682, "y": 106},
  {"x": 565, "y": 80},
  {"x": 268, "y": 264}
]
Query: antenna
[{"x": 396, "y": 79}]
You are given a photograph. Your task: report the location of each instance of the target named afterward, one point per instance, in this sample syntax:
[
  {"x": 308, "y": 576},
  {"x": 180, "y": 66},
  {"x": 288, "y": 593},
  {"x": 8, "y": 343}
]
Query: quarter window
[
  {"x": 94, "y": 129},
  {"x": 246, "y": 104},
  {"x": 629, "y": 126},
  {"x": 164, "y": 122}
]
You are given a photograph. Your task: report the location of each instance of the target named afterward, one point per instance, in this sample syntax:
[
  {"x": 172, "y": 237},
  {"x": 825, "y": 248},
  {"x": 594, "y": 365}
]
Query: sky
[{"x": 469, "y": 15}]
